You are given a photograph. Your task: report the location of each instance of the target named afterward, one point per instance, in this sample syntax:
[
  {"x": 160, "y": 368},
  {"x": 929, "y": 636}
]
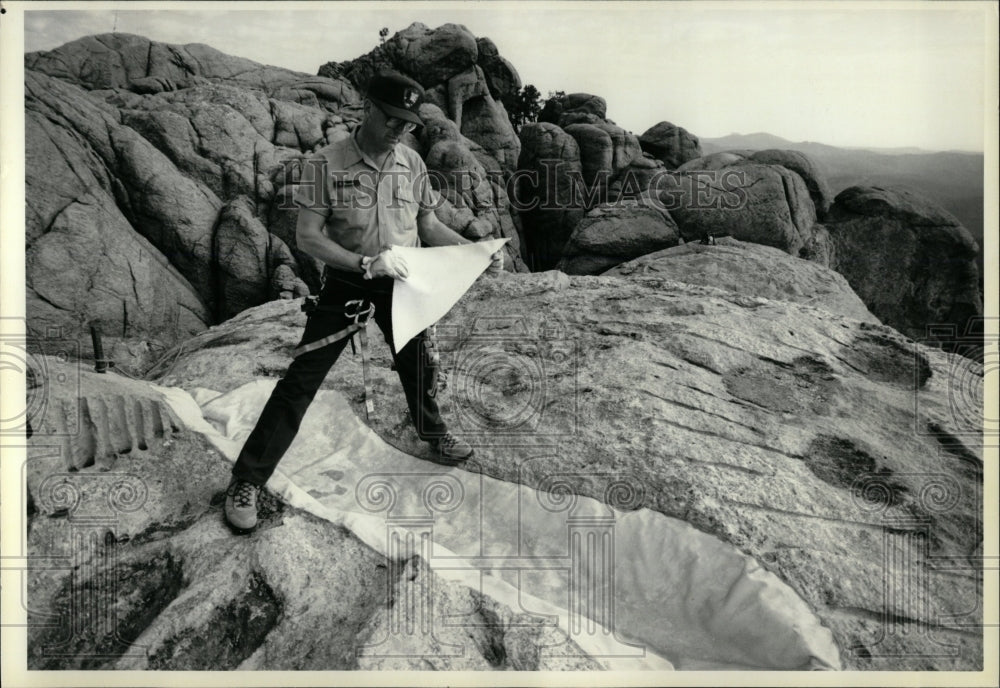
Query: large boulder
[
  {"x": 501, "y": 76},
  {"x": 241, "y": 253},
  {"x": 121, "y": 60},
  {"x": 911, "y": 262},
  {"x": 795, "y": 161},
  {"x": 596, "y": 152},
  {"x": 463, "y": 87},
  {"x": 475, "y": 201},
  {"x": 92, "y": 183},
  {"x": 753, "y": 271},
  {"x": 612, "y": 234},
  {"x": 194, "y": 125},
  {"x": 549, "y": 194},
  {"x": 764, "y": 204},
  {"x": 805, "y": 167},
  {"x": 297, "y": 126},
  {"x": 436, "y": 55},
  {"x": 487, "y": 124},
  {"x": 463, "y": 182},
  {"x": 670, "y": 144},
  {"x": 577, "y": 108},
  {"x": 88, "y": 267}
]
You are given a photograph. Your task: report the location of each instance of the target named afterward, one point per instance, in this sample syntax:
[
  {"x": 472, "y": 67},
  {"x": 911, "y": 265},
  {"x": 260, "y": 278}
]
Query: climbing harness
[{"x": 356, "y": 311}]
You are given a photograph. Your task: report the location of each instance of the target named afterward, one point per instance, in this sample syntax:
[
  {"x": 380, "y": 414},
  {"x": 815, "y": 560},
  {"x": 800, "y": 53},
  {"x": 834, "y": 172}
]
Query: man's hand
[
  {"x": 496, "y": 267},
  {"x": 388, "y": 264}
]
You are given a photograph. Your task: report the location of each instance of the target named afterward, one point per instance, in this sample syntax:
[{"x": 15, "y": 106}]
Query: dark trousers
[{"x": 283, "y": 412}]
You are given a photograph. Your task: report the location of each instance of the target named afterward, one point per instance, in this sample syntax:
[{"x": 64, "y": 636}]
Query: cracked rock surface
[
  {"x": 132, "y": 566},
  {"x": 832, "y": 449}
]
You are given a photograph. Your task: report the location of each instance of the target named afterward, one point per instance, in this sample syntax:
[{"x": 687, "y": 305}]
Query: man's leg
[
  {"x": 280, "y": 418},
  {"x": 418, "y": 376}
]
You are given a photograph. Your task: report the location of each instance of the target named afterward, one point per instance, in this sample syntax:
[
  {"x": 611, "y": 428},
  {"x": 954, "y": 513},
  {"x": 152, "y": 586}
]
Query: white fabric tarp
[
  {"x": 438, "y": 277},
  {"x": 633, "y": 589}
]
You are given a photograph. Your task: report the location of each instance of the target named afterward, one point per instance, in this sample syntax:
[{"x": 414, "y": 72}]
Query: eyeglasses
[{"x": 396, "y": 122}]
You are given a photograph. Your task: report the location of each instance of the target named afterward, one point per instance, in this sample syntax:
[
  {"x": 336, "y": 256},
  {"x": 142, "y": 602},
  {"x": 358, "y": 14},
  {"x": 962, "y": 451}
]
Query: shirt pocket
[
  {"x": 352, "y": 204},
  {"x": 404, "y": 202}
]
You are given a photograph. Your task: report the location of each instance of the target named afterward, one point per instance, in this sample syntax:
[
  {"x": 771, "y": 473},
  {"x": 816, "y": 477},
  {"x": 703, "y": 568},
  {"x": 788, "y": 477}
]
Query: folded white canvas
[{"x": 438, "y": 277}]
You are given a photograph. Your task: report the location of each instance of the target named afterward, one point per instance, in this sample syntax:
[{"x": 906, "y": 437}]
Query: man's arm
[
  {"x": 310, "y": 238},
  {"x": 433, "y": 232}
]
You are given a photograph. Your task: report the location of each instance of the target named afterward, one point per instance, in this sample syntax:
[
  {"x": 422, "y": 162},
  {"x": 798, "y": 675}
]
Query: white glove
[{"x": 388, "y": 264}]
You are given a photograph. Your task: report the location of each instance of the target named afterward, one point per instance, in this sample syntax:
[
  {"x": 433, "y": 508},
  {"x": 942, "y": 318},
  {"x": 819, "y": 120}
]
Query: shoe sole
[
  {"x": 449, "y": 461},
  {"x": 240, "y": 531}
]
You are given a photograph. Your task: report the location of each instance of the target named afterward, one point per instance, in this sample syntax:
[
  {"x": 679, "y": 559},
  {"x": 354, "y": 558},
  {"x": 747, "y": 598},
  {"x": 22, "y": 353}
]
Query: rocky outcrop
[
  {"x": 164, "y": 138},
  {"x": 445, "y": 61},
  {"x": 121, "y": 60},
  {"x": 606, "y": 153},
  {"x": 501, "y": 76},
  {"x": 806, "y": 168},
  {"x": 573, "y": 109},
  {"x": 241, "y": 251},
  {"x": 822, "y": 445},
  {"x": 177, "y": 164},
  {"x": 763, "y": 204},
  {"x": 670, "y": 144},
  {"x": 549, "y": 192},
  {"x": 88, "y": 181},
  {"x": 471, "y": 182},
  {"x": 613, "y": 234},
  {"x": 751, "y": 270},
  {"x": 611, "y": 158},
  {"x": 912, "y": 263},
  {"x": 131, "y": 558},
  {"x": 607, "y": 165}
]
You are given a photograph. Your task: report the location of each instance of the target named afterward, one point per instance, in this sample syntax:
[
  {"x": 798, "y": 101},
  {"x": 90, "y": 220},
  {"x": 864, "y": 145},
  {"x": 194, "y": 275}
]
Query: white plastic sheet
[
  {"x": 631, "y": 588},
  {"x": 438, "y": 277}
]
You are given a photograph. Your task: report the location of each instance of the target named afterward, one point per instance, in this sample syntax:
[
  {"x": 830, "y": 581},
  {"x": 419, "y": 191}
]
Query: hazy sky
[{"x": 846, "y": 74}]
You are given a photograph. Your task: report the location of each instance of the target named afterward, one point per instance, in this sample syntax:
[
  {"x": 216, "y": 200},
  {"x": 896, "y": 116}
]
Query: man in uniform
[{"x": 357, "y": 198}]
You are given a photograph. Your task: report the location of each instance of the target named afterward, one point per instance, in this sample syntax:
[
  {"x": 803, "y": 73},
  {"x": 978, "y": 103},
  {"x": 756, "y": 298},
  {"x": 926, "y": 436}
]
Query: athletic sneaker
[
  {"x": 451, "y": 448},
  {"x": 241, "y": 504}
]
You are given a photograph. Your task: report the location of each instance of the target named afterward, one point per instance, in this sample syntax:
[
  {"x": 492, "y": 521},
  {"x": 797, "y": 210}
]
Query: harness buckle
[{"x": 356, "y": 311}]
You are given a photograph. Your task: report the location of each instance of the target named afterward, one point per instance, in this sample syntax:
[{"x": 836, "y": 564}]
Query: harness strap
[
  {"x": 329, "y": 339},
  {"x": 369, "y": 395},
  {"x": 359, "y": 326}
]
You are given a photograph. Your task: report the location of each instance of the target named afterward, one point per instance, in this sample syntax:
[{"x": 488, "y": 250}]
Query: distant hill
[{"x": 953, "y": 179}]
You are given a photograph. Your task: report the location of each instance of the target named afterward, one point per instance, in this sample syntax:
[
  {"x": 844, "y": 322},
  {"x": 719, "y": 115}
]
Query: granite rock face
[
  {"x": 752, "y": 270},
  {"x": 764, "y": 204},
  {"x": 160, "y": 177},
  {"x": 911, "y": 262},
  {"x": 778, "y": 418},
  {"x": 549, "y": 192},
  {"x": 670, "y": 144},
  {"x": 131, "y": 500},
  {"x": 806, "y": 168},
  {"x": 609, "y": 235}
]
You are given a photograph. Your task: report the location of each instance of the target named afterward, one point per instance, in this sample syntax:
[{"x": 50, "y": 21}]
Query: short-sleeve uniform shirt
[{"x": 367, "y": 209}]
